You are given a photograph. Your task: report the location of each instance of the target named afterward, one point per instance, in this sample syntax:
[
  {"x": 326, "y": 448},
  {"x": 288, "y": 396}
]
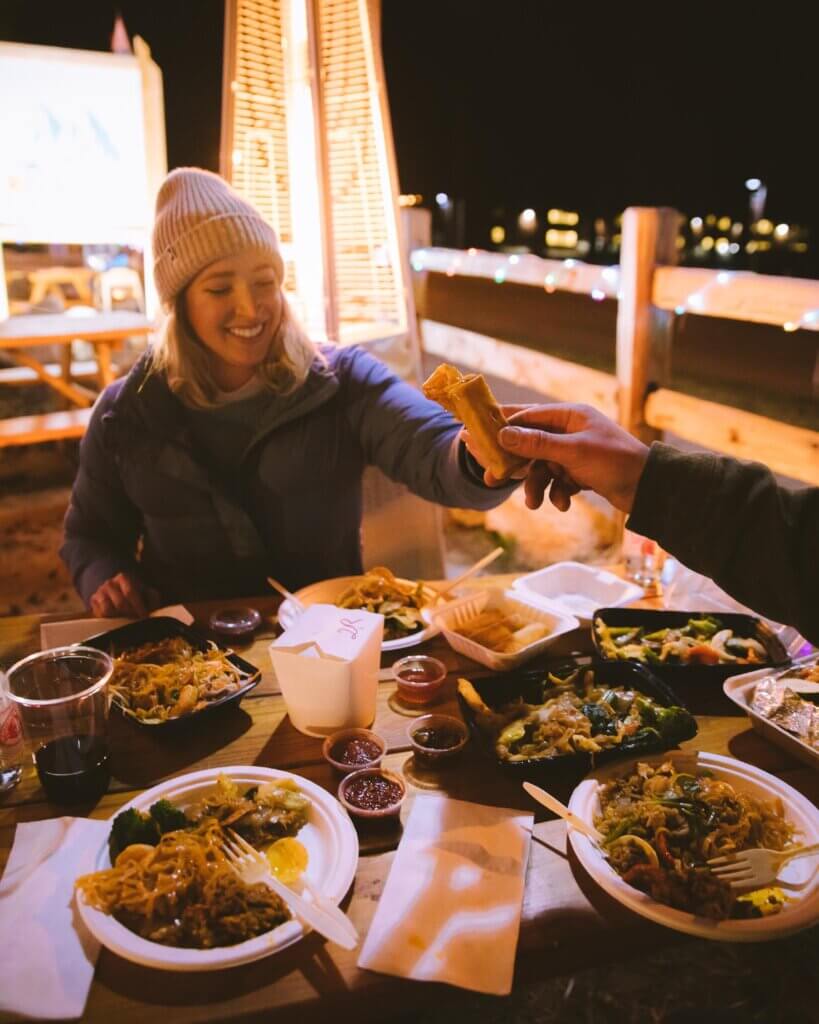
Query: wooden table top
[
  {"x": 23, "y": 331},
  {"x": 567, "y": 922}
]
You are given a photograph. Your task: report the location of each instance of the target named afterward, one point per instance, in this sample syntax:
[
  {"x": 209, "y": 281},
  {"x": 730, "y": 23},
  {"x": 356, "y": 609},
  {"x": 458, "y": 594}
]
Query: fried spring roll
[{"x": 469, "y": 399}]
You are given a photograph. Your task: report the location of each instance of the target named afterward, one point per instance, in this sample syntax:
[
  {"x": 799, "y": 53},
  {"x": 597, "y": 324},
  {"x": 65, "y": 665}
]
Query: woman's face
[{"x": 235, "y": 307}]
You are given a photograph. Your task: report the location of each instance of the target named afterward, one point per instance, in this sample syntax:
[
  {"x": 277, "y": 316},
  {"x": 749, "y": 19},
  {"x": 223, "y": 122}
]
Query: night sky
[{"x": 528, "y": 103}]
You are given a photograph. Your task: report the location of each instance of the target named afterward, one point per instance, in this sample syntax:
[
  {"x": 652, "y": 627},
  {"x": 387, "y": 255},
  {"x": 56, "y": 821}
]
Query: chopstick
[
  {"x": 480, "y": 564},
  {"x": 285, "y": 592}
]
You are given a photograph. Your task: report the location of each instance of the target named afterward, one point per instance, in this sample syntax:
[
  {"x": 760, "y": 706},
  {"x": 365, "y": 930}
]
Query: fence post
[{"x": 643, "y": 331}]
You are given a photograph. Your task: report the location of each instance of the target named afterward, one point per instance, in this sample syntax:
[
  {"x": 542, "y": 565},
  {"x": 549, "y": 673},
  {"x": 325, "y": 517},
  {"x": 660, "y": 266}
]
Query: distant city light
[
  {"x": 528, "y": 219},
  {"x": 724, "y": 223},
  {"x": 568, "y": 218},
  {"x": 711, "y": 220},
  {"x": 555, "y": 238},
  {"x": 752, "y": 184},
  {"x": 734, "y": 248},
  {"x": 736, "y": 229},
  {"x": 723, "y": 246},
  {"x": 763, "y": 227},
  {"x": 680, "y": 242},
  {"x": 498, "y": 234},
  {"x": 413, "y": 199},
  {"x": 707, "y": 243},
  {"x": 442, "y": 199},
  {"x": 696, "y": 223},
  {"x": 781, "y": 230}
]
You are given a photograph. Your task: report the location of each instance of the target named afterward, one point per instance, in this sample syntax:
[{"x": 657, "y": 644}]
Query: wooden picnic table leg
[
  {"x": 106, "y": 373},
  {"x": 66, "y": 353},
  {"x": 75, "y": 393}
]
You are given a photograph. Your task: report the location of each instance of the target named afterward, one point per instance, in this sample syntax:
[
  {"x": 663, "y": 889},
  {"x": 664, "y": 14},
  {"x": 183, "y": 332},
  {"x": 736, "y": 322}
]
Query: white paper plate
[
  {"x": 798, "y": 810},
  {"x": 327, "y": 591},
  {"x": 740, "y": 689},
  {"x": 332, "y": 847},
  {"x": 578, "y": 589}
]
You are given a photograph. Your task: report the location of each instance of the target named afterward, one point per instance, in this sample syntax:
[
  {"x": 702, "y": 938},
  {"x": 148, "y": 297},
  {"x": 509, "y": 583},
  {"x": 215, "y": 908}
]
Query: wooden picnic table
[
  {"x": 105, "y": 332},
  {"x": 567, "y": 923}
]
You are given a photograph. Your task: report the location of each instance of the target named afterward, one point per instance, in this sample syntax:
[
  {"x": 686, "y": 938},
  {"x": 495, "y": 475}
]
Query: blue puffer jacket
[{"x": 145, "y": 501}]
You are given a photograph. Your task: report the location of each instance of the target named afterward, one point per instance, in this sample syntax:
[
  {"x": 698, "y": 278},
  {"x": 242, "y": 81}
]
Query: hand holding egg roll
[{"x": 468, "y": 398}]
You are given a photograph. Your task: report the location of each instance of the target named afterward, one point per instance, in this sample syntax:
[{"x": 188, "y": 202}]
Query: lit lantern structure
[{"x": 306, "y": 137}]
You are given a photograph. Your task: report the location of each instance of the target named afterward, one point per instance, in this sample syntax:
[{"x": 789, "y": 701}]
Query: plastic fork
[
  {"x": 754, "y": 869},
  {"x": 322, "y": 915}
]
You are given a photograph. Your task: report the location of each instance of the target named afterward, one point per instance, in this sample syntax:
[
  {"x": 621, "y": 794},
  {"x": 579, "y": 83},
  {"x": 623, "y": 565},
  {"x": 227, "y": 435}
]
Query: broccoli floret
[
  {"x": 167, "y": 817},
  {"x": 131, "y": 827}
]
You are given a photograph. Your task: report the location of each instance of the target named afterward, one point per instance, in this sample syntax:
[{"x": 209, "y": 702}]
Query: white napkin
[
  {"x": 48, "y": 956},
  {"x": 450, "y": 910},
  {"x": 74, "y": 631}
]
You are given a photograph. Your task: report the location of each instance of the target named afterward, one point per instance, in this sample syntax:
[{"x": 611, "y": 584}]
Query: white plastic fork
[
  {"x": 754, "y": 869},
  {"x": 252, "y": 866}
]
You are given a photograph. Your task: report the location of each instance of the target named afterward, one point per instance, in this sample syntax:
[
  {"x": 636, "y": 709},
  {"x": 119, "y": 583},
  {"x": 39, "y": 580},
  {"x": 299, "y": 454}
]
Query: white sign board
[{"x": 72, "y": 147}]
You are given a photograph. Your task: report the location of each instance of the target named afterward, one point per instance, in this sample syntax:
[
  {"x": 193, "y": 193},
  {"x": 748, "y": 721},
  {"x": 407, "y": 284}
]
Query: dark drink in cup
[{"x": 74, "y": 769}]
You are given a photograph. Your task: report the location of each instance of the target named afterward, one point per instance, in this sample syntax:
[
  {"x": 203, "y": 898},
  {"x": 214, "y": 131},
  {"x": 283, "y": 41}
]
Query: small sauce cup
[
  {"x": 419, "y": 678},
  {"x": 350, "y": 750},
  {"x": 372, "y": 793},
  {"x": 438, "y": 737}
]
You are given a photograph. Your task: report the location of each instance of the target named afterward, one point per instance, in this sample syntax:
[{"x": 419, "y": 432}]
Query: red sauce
[
  {"x": 373, "y": 793},
  {"x": 356, "y": 750},
  {"x": 436, "y": 739}
]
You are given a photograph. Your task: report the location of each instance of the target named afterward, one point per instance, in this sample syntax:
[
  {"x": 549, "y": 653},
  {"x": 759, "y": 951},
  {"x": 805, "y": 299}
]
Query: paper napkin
[
  {"x": 48, "y": 956},
  {"x": 451, "y": 907}
]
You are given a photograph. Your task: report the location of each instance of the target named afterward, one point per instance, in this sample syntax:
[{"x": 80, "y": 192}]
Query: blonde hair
[{"x": 186, "y": 361}]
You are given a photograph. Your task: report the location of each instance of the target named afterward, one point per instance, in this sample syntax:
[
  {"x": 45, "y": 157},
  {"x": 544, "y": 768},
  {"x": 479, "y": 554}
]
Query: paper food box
[{"x": 327, "y": 666}]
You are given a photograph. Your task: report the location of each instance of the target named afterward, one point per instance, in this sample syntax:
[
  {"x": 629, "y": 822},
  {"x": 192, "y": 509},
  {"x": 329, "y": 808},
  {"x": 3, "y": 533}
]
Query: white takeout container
[
  {"x": 741, "y": 689},
  {"x": 578, "y": 589},
  {"x": 327, "y": 666},
  {"x": 458, "y": 613}
]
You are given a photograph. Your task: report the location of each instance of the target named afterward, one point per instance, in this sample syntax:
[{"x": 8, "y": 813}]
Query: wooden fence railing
[{"x": 650, "y": 292}]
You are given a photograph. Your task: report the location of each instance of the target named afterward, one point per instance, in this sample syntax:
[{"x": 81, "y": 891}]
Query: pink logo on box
[{"x": 350, "y": 626}]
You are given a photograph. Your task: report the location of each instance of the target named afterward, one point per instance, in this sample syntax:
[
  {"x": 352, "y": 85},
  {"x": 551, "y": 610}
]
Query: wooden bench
[
  {"x": 52, "y": 426},
  {"x": 80, "y": 369}
]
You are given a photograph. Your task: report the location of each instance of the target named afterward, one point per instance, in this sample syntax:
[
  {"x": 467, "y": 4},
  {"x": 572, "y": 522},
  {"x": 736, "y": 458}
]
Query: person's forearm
[{"x": 731, "y": 521}]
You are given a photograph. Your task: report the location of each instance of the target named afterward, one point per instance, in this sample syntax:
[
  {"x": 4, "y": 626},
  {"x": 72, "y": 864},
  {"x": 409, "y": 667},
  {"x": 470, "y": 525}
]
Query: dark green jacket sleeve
[{"x": 731, "y": 521}]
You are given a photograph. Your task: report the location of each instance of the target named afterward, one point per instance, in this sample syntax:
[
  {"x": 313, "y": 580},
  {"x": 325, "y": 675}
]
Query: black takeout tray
[
  {"x": 699, "y": 685},
  {"x": 152, "y": 630},
  {"x": 527, "y": 683}
]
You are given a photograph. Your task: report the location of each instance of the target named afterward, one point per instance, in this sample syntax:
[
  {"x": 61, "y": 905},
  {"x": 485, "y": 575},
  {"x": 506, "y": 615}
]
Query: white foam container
[
  {"x": 741, "y": 689},
  {"x": 577, "y": 589},
  {"x": 458, "y": 613}
]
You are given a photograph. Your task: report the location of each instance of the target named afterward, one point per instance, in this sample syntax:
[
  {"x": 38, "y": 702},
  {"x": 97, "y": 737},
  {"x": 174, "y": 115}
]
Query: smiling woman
[{"x": 235, "y": 449}]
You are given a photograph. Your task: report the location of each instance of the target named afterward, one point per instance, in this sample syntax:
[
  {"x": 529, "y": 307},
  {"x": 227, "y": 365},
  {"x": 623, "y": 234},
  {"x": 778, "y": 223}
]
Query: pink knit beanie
[{"x": 200, "y": 219}]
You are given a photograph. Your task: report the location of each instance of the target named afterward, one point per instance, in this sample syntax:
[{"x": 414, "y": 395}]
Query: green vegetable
[
  {"x": 623, "y": 827},
  {"x": 167, "y": 817},
  {"x": 602, "y": 721},
  {"x": 705, "y": 628},
  {"x": 131, "y": 827}
]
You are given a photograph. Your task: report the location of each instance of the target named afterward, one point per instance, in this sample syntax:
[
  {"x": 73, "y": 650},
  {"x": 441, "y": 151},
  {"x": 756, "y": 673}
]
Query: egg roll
[{"x": 468, "y": 398}]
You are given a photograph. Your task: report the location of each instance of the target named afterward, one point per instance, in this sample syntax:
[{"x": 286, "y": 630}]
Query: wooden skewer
[
  {"x": 285, "y": 592},
  {"x": 480, "y": 564}
]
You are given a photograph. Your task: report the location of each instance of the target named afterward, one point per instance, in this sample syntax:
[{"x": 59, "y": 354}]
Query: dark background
[{"x": 528, "y": 103}]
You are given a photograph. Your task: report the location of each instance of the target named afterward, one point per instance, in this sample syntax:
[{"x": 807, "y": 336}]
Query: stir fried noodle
[
  {"x": 399, "y": 601},
  {"x": 183, "y": 892},
  {"x": 163, "y": 680},
  {"x": 662, "y": 825}
]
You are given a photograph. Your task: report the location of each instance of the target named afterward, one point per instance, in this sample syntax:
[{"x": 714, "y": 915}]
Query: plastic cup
[
  {"x": 12, "y": 748},
  {"x": 62, "y": 698}
]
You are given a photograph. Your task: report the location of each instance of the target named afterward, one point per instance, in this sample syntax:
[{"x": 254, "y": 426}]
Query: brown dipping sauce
[
  {"x": 437, "y": 739},
  {"x": 355, "y": 751},
  {"x": 418, "y": 675},
  {"x": 373, "y": 793}
]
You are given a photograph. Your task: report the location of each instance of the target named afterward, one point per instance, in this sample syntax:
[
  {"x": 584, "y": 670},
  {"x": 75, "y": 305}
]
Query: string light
[{"x": 606, "y": 285}]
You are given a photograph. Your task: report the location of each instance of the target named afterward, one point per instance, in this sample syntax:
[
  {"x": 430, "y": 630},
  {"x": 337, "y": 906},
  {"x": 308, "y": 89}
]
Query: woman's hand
[
  {"x": 574, "y": 447},
  {"x": 123, "y": 595}
]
